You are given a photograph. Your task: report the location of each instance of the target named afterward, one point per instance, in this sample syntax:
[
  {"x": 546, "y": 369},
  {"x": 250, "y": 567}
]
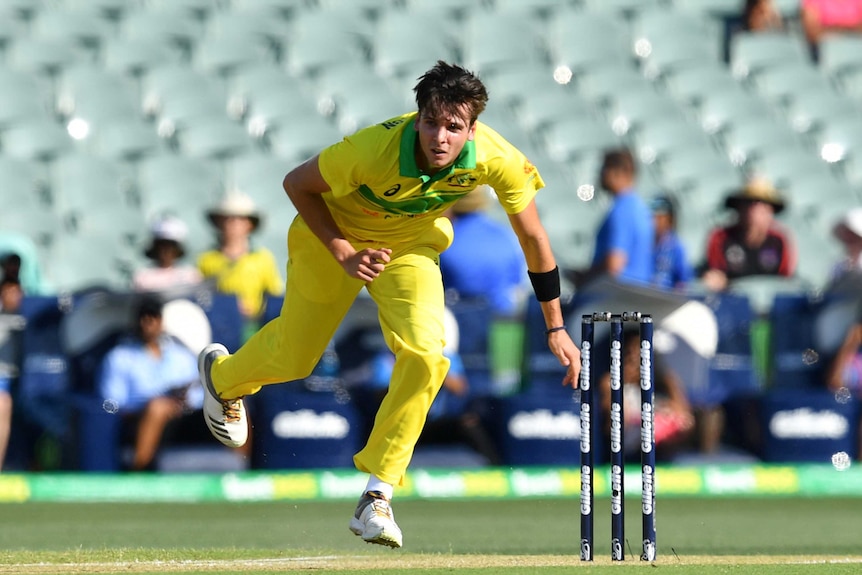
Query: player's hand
[
  {"x": 367, "y": 264},
  {"x": 567, "y": 352}
]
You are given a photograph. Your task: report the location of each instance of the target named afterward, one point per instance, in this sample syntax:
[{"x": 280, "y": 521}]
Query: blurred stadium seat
[{"x": 183, "y": 99}]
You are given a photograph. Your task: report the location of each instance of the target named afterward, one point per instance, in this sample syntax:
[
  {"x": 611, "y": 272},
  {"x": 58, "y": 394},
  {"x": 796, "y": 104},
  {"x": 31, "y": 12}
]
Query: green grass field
[{"x": 716, "y": 535}]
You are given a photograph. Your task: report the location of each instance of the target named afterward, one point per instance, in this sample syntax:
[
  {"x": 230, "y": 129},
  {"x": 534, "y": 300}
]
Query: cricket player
[{"x": 370, "y": 215}]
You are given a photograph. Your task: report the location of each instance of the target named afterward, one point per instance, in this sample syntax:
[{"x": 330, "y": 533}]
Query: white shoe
[
  {"x": 226, "y": 419},
  {"x": 375, "y": 522}
]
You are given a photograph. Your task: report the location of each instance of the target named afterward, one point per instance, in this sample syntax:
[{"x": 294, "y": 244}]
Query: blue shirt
[
  {"x": 672, "y": 269},
  {"x": 485, "y": 260},
  {"x": 131, "y": 376},
  {"x": 628, "y": 227}
]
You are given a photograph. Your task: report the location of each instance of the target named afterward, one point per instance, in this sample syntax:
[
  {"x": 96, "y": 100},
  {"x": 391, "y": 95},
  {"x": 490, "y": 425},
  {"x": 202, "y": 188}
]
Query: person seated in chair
[{"x": 149, "y": 379}]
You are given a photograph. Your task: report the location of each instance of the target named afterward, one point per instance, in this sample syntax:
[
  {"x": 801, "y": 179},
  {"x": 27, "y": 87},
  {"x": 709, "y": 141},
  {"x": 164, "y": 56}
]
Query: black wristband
[
  {"x": 549, "y": 331},
  {"x": 546, "y": 285}
]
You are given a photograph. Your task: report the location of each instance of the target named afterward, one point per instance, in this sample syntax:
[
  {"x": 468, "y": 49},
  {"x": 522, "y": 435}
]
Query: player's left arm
[{"x": 540, "y": 259}]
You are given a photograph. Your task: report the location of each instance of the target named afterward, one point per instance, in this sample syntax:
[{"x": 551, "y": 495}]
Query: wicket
[{"x": 617, "y": 460}]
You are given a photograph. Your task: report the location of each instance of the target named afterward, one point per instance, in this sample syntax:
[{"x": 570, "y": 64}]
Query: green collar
[{"x": 408, "y": 168}]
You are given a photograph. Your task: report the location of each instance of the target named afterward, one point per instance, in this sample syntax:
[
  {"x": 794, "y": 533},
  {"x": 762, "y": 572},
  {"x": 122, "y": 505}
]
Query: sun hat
[
  {"x": 756, "y": 189},
  {"x": 850, "y": 223},
  {"x": 167, "y": 228},
  {"x": 235, "y": 203}
]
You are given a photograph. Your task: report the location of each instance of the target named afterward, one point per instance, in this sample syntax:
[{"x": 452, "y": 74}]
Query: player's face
[{"x": 441, "y": 138}]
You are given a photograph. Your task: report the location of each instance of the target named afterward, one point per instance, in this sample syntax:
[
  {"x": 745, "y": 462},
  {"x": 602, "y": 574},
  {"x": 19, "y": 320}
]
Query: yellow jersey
[
  {"x": 379, "y": 194},
  {"x": 251, "y": 277}
]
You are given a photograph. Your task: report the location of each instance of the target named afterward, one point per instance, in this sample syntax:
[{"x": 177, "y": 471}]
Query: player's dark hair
[
  {"x": 448, "y": 87},
  {"x": 620, "y": 159}
]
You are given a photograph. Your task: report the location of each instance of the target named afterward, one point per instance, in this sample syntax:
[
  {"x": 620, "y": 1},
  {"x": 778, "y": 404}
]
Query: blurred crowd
[{"x": 149, "y": 377}]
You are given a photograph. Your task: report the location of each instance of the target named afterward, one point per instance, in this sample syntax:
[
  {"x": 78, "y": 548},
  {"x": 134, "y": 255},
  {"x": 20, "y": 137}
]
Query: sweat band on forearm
[{"x": 546, "y": 284}]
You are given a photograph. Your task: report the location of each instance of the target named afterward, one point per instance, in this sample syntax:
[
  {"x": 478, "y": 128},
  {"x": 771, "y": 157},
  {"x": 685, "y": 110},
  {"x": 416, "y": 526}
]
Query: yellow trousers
[{"x": 409, "y": 297}]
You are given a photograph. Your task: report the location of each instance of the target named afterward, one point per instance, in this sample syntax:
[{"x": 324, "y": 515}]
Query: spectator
[
  {"x": 454, "y": 417},
  {"x": 624, "y": 243},
  {"x": 761, "y": 16},
  {"x": 11, "y": 294},
  {"x": 236, "y": 265},
  {"x": 849, "y": 232},
  {"x": 673, "y": 419},
  {"x": 149, "y": 378},
  {"x": 10, "y": 350},
  {"x": 672, "y": 268},
  {"x": 19, "y": 257},
  {"x": 754, "y": 244},
  {"x": 484, "y": 260},
  {"x": 823, "y": 17},
  {"x": 167, "y": 234}
]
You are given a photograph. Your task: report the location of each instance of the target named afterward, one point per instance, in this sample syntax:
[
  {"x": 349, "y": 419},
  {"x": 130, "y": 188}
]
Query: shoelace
[
  {"x": 232, "y": 410},
  {"x": 382, "y": 507}
]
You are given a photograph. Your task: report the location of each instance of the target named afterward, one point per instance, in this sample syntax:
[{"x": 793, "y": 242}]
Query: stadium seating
[{"x": 113, "y": 111}]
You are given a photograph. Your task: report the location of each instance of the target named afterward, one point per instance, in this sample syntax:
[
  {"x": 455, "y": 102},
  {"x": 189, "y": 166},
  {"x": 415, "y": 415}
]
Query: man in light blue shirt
[{"x": 148, "y": 380}]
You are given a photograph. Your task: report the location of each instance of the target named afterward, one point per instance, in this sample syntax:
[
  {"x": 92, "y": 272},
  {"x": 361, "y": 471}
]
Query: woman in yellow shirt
[{"x": 236, "y": 265}]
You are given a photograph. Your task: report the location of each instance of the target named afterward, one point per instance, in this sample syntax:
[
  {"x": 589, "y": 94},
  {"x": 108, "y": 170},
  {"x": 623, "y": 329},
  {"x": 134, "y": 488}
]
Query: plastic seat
[
  {"x": 83, "y": 261},
  {"x": 95, "y": 95},
  {"x": 514, "y": 84},
  {"x": 25, "y": 184},
  {"x": 357, "y": 97},
  {"x": 666, "y": 39},
  {"x": 297, "y": 139},
  {"x": 179, "y": 30},
  {"x": 264, "y": 89},
  {"x": 127, "y": 139},
  {"x": 746, "y": 141},
  {"x": 583, "y": 39},
  {"x": 602, "y": 83},
  {"x": 721, "y": 110},
  {"x": 751, "y": 52},
  {"x": 198, "y": 9},
  {"x": 179, "y": 93},
  {"x": 840, "y": 53},
  {"x": 23, "y": 96},
  {"x": 177, "y": 184},
  {"x": 36, "y": 139},
  {"x": 88, "y": 187},
  {"x": 223, "y": 54},
  {"x": 665, "y": 135},
  {"x": 497, "y": 41},
  {"x": 548, "y": 102},
  {"x": 85, "y": 27},
  {"x": 840, "y": 140},
  {"x": 633, "y": 110},
  {"x": 322, "y": 38},
  {"x": 625, "y": 8},
  {"x": 399, "y": 47},
  {"x": 786, "y": 164},
  {"x": 779, "y": 84},
  {"x": 217, "y": 138},
  {"x": 687, "y": 168},
  {"x": 811, "y": 109},
  {"x": 573, "y": 137},
  {"x": 690, "y": 85},
  {"x": 259, "y": 175},
  {"x": 45, "y": 55},
  {"x": 137, "y": 56}
]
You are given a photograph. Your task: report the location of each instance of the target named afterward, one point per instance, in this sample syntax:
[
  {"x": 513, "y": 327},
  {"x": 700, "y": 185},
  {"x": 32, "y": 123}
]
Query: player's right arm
[{"x": 304, "y": 186}]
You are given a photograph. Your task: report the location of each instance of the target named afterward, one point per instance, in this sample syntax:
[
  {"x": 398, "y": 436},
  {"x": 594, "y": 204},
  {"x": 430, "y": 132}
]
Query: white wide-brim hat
[{"x": 236, "y": 204}]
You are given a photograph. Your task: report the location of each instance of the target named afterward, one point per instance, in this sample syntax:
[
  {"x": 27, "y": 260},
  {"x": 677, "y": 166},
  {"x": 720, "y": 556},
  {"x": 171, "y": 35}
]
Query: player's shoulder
[{"x": 387, "y": 128}]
